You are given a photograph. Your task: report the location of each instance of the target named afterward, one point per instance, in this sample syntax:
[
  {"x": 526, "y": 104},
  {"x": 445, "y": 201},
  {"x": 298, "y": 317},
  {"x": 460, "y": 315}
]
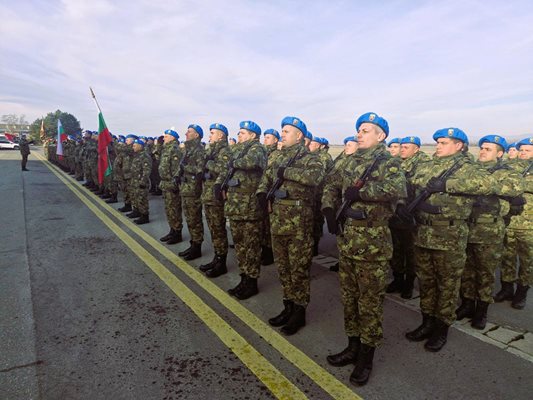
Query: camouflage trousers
[
  {"x": 192, "y": 207},
  {"x": 518, "y": 245},
  {"x": 294, "y": 255},
  {"x": 403, "y": 251},
  {"x": 125, "y": 187},
  {"x": 266, "y": 239},
  {"x": 318, "y": 221},
  {"x": 482, "y": 260},
  {"x": 247, "y": 240},
  {"x": 78, "y": 170},
  {"x": 172, "y": 200},
  {"x": 110, "y": 185},
  {"x": 216, "y": 221},
  {"x": 87, "y": 172},
  {"x": 139, "y": 198},
  {"x": 439, "y": 276},
  {"x": 70, "y": 164},
  {"x": 94, "y": 172}
]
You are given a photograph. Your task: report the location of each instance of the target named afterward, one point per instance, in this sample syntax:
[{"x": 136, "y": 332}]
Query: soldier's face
[
  {"x": 245, "y": 135},
  {"x": 526, "y": 152},
  {"x": 232, "y": 142},
  {"x": 307, "y": 141},
  {"x": 129, "y": 140},
  {"x": 489, "y": 152},
  {"x": 137, "y": 147},
  {"x": 408, "y": 150},
  {"x": 513, "y": 153},
  {"x": 394, "y": 149},
  {"x": 290, "y": 135},
  {"x": 191, "y": 134},
  {"x": 314, "y": 146},
  {"x": 369, "y": 136},
  {"x": 216, "y": 135},
  {"x": 168, "y": 138},
  {"x": 447, "y": 147},
  {"x": 350, "y": 147},
  {"x": 270, "y": 140}
]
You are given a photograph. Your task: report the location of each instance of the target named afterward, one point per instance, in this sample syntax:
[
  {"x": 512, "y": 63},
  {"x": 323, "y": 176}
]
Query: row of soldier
[{"x": 449, "y": 220}]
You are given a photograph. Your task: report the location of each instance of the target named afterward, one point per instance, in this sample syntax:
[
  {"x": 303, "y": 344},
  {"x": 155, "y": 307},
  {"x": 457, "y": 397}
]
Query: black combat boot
[
  {"x": 438, "y": 337},
  {"x": 158, "y": 192},
  {"x": 239, "y": 286},
  {"x": 79, "y": 179},
  {"x": 348, "y": 355},
  {"x": 93, "y": 188},
  {"x": 86, "y": 184},
  {"x": 479, "y": 321},
  {"x": 175, "y": 238},
  {"x": 396, "y": 285},
  {"x": 334, "y": 268},
  {"x": 283, "y": 317},
  {"x": 106, "y": 195},
  {"x": 219, "y": 267},
  {"x": 143, "y": 219},
  {"x": 194, "y": 252},
  {"x": 133, "y": 214},
  {"x": 112, "y": 199},
  {"x": 505, "y": 293},
  {"x": 466, "y": 309},
  {"x": 424, "y": 331},
  {"x": 408, "y": 285},
  {"x": 295, "y": 322},
  {"x": 267, "y": 257},
  {"x": 520, "y": 297},
  {"x": 248, "y": 289},
  {"x": 186, "y": 251},
  {"x": 363, "y": 365},
  {"x": 126, "y": 208},
  {"x": 167, "y": 236},
  {"x": 209, "y": 265}
]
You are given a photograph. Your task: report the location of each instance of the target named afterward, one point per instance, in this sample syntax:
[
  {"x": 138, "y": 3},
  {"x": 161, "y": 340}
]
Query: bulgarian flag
[
  {"x": 60, "y": 137},
  {"x": 104, "y": 138}
]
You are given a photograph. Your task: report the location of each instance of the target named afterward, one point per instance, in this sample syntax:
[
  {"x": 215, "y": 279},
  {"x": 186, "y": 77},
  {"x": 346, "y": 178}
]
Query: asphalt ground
[{"x": 94, "y": 307}]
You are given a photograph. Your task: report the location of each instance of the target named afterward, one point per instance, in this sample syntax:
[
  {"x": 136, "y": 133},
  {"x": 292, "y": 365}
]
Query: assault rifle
[
  {"x": 279, "y": 181},
  {"x": 231, "y": 169}
]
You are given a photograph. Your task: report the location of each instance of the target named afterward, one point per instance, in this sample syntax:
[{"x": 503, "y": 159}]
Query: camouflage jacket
[
  {"x": 525, "y": 219},
  {"x": 68, "y": 149},
  {"x": 169, "y": 164},
  {"x": 486, "y": 223},
  {"x": 141, "y": 165},
  {"x": 156, "y": 152},
  {"x": 24, "y": 147},
  {"x": 453, "y": 207},
  {"x": 292, "y": 212},
  {"x": 385, "y": 187},
  {"x": 92, "y": 151},
  {"x": 193, "y": 169},
  {"x": 409, "y": 166},
  {"x": 118, "y": 172},
  {"x": 249, "y": 160},
  {"x": 326, "y": 158},
  {"x": 78, "y": 152},
  {"x": 218, "y": 157},
  {"x": 127, "y": 159}
]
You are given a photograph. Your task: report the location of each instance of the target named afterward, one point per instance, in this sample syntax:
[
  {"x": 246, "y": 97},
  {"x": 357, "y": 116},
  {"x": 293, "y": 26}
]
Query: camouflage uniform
[
  {"x": 155, "y": 179},
  {"x": 110, "y": 185},
  {"x": 169, "y": 164},
  {"x": 141, "y": 165},
  {"x": 486, "y": 232},
  {"x": 91, "y": 157},
  {"x": 24, "y": 148},
  {"x": 191, "y": 188},
  {"x": 292, "y": 218},
  {"x": 266, "y": 239},
  {"x": 318, "y": 218},
  {"x": 441, "y": 237},
  {"x": 127, "y": 159},
  {"x": 241, "y": 206},
  {"x": 78, "y": 163},
  {"x": 366, "y": 244},
  {"x": 218, "y": 156}
]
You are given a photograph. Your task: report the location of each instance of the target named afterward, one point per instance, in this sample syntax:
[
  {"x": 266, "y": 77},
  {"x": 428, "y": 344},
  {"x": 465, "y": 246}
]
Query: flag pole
[{"x": 95, "y": 101}]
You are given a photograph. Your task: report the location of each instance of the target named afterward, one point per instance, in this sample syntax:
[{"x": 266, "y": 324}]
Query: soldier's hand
[
  {"x": 404, "y": 215},
  {"x": 262, "y": 200},
  {"x": 352, "y": 194},
  {"x": 281, "y": 172},
  {"x": 436, "y": 185},
  {"x": 331, "y": 222},
  {"x": 217, "y": 192}
]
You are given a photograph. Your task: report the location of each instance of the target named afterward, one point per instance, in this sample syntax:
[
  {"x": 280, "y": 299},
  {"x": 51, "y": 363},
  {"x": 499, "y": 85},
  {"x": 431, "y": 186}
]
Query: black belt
[{"x": 440, "y": 222}]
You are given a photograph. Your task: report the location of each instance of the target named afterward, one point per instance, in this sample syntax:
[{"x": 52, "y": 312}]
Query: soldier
[
  {"x": 169, "y": 165},
  {"x": 403, "y": 257},
  {"x": 297, "y": 171},
  {"x": 232, "y": 141},
  {"x": 218, "y": 157},
  {"x": 190, "y": 178},
  {"x": 127, "y": 157},
  {"x": 450, "y": 179},
  {"x": 394, "y": 147},
  {"x": 518, "y": 239},
  {"x": 141, "y": 166},
  {"x": 110, "y": 188},
  {"x": 371, "y": 184},
  {"x": 92, "y": 156},
  {"x": 512, "y": 152},
  {"x": 155, "y": 179},
  {"x": 241, "y": 206},
  {"x": 87, "y": 143},
  {"x": 78, "y": 159},
  {"x": 318, "y": 218},
  {"x": 24, "y": 148},
  {"x": 486, "y": 231}
]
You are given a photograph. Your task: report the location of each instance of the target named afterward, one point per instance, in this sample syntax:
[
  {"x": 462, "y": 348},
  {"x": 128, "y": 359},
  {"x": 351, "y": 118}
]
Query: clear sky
[{"x": 423, "y": 65}]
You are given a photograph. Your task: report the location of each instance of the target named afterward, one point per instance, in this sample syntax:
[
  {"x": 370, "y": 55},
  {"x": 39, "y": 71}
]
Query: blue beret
[
  {"x": 198, "y": 129},
  {"x": 511, "y": 145},
  {"x": 251, "y": 126},
  {"x": 139, "y": 141},
  {"x": 325, "y": 141},
  {"x": 172, "y": 133},
  {"x": 121, "y": 139},
  {"x": 496, "y": 139},
  {"x": 95, "y": 133},
  {"x": 220, "y": 127},
  {"x": 350, "y": 139},
  {"x": 273, "y": 132},
  {"x": 411, "y": 140},
  {"x": 452, "y": 133},
  {"x": 524, "y": 142},
  {"x": 71, "y": 137},
  {"x": 315, "y": 139},
  {"x": 121, "y": 136},
  {"x": 392, "y": 141},
  {"x": 308, "y": 135},
  {"x": 86, "y": 132},
  {"x": 131, "y": 136},
  {"x": 297, "y": 123},
  {"x": 375, "y": 119}
]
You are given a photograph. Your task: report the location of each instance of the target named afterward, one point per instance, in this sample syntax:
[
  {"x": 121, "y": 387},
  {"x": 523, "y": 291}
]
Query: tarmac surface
[{"x": 94, "y": 307}]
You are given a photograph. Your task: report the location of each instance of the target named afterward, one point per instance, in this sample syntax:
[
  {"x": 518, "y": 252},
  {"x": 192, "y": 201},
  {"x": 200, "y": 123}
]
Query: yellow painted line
[
  {"x": 276, "y": 382},
  {"x": 298, "y": 358}
]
